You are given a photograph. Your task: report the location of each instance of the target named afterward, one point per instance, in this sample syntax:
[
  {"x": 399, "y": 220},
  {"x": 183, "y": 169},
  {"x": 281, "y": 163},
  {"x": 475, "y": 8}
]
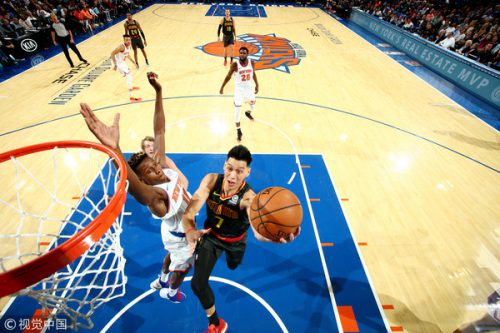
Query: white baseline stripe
[
  {"x": 382, "y": 313},
  {"x": 212, "y": 278},
  {"x": 315, "y": 228}
]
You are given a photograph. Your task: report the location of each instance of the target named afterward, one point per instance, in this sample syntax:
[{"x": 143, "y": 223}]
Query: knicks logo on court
[{"x": 267, "y": 51}]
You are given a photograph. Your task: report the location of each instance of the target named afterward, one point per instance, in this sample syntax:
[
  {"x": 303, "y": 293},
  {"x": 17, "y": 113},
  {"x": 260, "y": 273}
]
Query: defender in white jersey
[
  {"x": 160, "y": 185},
  {"x": 179, "y": 257},
  {"x": 244, "y": 72},
  {"x": 118, "y": 56}
]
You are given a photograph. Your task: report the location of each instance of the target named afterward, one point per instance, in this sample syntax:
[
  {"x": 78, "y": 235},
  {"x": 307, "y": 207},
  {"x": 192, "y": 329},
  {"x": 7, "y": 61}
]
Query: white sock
[
  {"x": 172, "y": 292},
  {"x": 164, "y": 277},
  {"x": 128, "y": 77},
  {"x": 237, "y": 114}
]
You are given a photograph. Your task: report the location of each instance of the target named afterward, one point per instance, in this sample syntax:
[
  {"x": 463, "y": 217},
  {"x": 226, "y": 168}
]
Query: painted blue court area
[
  {"x": 297, "y": 287},
  {"x": 244, "y": 10}
]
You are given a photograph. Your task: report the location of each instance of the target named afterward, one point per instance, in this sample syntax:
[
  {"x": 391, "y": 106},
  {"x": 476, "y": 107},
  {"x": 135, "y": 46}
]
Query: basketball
[{"x": 275, "y": 213}]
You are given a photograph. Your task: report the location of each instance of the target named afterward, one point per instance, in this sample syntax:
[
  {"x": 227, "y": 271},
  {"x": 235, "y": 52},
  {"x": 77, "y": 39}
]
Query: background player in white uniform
[
  {"x": 118, "y": 56},
  {"x": 153, "y": 184},
  {"x": 244, "y": 71}
]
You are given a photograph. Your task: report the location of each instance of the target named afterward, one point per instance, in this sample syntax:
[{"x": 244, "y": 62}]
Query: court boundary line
[
  {"x": 241, "y": 25},
  {"x": 211, "y": 278},
  {"x": 313, "y": 222},
  {"x": 375, "y": 293},
  {"x": 280, "y": 100}
]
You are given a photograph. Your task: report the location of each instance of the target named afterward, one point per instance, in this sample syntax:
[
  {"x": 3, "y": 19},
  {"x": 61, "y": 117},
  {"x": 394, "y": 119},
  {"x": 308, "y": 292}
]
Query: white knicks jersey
[
  {"x": 244, "y": 75},
  {"x": 178, "y": 199},
  {"x": 121, "y": 56}
]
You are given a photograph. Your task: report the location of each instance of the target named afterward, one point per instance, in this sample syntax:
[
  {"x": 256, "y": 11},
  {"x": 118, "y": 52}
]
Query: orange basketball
[{"x": 275, "y": 213}]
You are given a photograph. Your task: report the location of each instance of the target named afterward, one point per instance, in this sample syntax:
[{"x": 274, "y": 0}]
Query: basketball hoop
[{"x": 64, "y": 249}]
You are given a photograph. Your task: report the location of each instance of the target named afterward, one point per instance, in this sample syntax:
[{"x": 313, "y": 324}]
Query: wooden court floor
[{"x": 421, "y": 174}]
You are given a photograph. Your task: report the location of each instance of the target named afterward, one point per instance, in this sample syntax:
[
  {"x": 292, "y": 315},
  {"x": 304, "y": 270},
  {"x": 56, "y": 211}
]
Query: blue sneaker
[
  {"x": 177, "y": 298},
  {"x": 158, "y": 284}
]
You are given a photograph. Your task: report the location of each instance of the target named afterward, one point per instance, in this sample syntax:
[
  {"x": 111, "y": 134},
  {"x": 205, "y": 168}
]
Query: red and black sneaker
[{"x": 222, "y": 328}]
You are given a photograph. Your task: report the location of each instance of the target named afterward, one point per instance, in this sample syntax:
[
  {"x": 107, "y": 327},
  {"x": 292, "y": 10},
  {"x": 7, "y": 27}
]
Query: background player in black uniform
[
  {"x": 228, "y": 198},
  {"x": 133, "y": 28},
  {"x": 228, "y": 34}
]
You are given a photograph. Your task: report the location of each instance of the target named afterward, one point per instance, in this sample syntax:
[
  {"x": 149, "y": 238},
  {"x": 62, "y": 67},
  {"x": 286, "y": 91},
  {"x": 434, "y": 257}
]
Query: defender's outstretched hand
[
  {"x": 107, "y": 135},
  {"x": 152, "y": 80}
]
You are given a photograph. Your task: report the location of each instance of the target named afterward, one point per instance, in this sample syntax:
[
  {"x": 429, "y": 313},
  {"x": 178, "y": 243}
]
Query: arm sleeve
[{"x": 218, "y": 31}]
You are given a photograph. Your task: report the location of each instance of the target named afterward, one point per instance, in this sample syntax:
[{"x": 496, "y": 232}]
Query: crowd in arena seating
[
  {"x": 470, "y": 28},
  {"x": 22, "y": 17}
]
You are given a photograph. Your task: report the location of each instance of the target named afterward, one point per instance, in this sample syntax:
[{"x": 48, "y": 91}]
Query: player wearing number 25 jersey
[{"x": 244, "y": 73}]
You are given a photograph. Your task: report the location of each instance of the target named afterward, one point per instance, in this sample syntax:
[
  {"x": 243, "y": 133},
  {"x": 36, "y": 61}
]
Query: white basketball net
[{"x": 45, "y": 209}]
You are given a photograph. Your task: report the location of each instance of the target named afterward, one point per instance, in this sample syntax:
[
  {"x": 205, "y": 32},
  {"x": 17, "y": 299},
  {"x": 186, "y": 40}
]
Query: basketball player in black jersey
[
  {"x": 228, "y": 198},
  {"x": 133, "y": 29},
  {"x": 228, "y": 34}
]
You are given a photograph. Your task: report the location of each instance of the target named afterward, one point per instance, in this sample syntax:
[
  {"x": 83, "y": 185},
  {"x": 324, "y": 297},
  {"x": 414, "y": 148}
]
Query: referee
[{"x": 63, "y": 36}]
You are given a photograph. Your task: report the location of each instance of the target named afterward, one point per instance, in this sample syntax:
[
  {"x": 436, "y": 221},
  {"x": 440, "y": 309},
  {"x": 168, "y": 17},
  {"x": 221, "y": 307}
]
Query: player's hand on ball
[
  {"x": 291, "y": 237},
  {"x": 275, "y": 215}
]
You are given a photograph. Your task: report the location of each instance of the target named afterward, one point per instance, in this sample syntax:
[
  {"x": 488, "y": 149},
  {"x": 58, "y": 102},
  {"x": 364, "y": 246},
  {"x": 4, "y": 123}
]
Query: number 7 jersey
[{"x": 224, "y": 215}]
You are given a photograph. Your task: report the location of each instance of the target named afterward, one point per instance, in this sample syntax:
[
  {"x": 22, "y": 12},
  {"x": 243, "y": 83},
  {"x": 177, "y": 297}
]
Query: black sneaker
[
  {"x": 249, "y": 115},
  {"x": 85, "y": 61},
  {"x": 240, "y": 134}
]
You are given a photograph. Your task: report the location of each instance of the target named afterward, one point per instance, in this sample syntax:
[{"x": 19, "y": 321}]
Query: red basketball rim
[{"x": 50, "y": 262}]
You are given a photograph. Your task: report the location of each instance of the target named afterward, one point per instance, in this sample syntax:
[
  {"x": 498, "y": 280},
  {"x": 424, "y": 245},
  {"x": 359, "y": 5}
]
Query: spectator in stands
[
  {"x": 25, "y": 22},
  {"x": 484, "y": 55},
  {"x": 466, "y": 48},
  {"x": 18, "y": 28},
  {"x": 449, "y": 42},
  {"x": 9, "y": 49},
  {"x": 441, "y": 35},
  {"x": 408, "y": 25},
  {"x": 468, "y": 20},
  {"x": 5, "y": 58},
  {"x": 6, "y": 29}
]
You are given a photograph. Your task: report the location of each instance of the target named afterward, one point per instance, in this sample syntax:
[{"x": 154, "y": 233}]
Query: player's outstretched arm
[
  {"x": 119, "y": 49},
  {"x": 197, "y": 201},
  {"x": 232, "y": 69},
  {"x": 158, "y": 121},
  {"x": 110, "y": 136}
]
